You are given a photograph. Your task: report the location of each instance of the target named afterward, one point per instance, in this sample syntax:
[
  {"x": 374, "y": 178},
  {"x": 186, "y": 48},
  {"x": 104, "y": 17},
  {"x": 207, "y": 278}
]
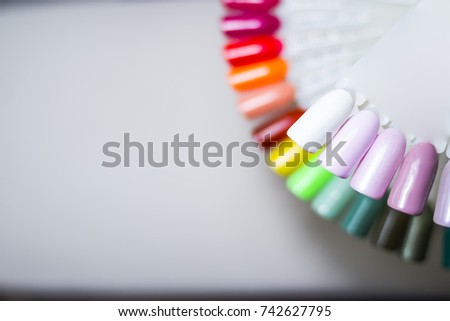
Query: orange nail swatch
[{"x": 257, "y": 75}]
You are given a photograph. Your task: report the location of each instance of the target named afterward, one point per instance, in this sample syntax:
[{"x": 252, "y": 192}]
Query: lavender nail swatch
[
  {"x": 356, "y": 135},
  {"x": 377, "y": 168}
]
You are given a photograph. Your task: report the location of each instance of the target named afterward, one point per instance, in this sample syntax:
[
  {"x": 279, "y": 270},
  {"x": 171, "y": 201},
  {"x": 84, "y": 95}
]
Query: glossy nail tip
[
  {"x": 307, "y": 181},
  {"x": 417, "y": 238},
  {"x": 326, "y": 115},
  {"x": 286, "y": 157},
  {"x": 391, "y": 229},
  {"x": 269, "y": 133},
  {"x": 362, "y": 214},
  {"x": 257, "y": 75},
  {"x": 250, "y": 5},
  {"x": 249, "y": 24},
  {"x": 267, "y": 99},
  {"x": 353, "y": 140},
  {"x": 442, "y": 208},
  {"x": 446, "y": 249},
  {"x": 415, "y": 178},
  {"x": 442, "y": 161},
  {"x": 249, "y": 51},
  {"x": 333, "y": 198},
  {"x": 377, "y": 168}
]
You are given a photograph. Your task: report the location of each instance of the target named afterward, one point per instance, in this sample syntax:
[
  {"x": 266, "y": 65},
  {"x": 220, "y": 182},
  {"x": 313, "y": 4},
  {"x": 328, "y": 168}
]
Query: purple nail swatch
[
  {"x": 415, "y": 178},
  {"x": 442, "y": 209},
  {"x": 357, "y": 135},
  {"x": 249, "y": 24},
  {"x": 377, "y": 168}
]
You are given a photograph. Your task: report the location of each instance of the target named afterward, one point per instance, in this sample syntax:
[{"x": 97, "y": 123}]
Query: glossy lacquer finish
[
  {"x": 274, "y": 130},
  {"x": 442, "y": 161},
  {"x": 333, "y": 198},
  {"x": 250, "y": 5},
  {"x": 257, "y": 75},
  {"x": 355, "y": 136},
  {"x": 446, "y": 249},
  {"x": 326, "y": 115},
  {"x": 249, "y": 51},
  {"x": 361, "y": 215},
  {"x": 414, "y": 180},
  {"x": 417, "y": 238},
  {"x": 286, "y": 157},
  {"x": 247, "y": 25},
  {"x": 390, "y": 230},
  {"x": 266, "y": 99},
  {"x": 307, "y": 181},
  {"x": 442, "y": 209},
  {"x": 377, "y": 168}
]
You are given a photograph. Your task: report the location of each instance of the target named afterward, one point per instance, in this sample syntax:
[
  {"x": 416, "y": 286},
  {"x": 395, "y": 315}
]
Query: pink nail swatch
[
  {"x": 250, "y": 5},
  {"x": 377, "y": 168},
  {"x": 413, "y": 183}
]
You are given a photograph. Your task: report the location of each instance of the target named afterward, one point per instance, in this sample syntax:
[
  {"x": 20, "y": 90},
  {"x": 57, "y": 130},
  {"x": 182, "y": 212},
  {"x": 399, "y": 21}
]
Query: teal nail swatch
[
  {"x": 446, "y": 249},
  {"x": 333, "y": 198},
  {"x": 417, "y": 238},
  {"x": 361, "y": 215}
]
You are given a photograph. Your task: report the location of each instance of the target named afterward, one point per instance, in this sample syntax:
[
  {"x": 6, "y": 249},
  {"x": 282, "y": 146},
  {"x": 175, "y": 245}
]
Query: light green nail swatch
[{"x": 306, "y": 182}]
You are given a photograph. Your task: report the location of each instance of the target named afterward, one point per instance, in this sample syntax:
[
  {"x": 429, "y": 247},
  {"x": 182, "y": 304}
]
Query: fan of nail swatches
[{"x": 375, "y": 188}]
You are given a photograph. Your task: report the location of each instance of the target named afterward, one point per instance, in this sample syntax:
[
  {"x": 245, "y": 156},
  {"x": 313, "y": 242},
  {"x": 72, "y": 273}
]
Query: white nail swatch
[{"x": 326, "y": 115}]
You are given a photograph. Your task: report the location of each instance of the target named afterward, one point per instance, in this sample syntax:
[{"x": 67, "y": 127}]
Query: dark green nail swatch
[
  {"x": 390, "y": 230},
  {"x": 417, "y": 237}
]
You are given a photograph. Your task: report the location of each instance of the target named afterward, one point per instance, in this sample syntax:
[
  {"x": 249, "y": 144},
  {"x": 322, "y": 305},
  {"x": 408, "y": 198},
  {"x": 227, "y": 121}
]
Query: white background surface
[
  {"x": 408, "y": 48},
  {"x": 76, "y": 76}
]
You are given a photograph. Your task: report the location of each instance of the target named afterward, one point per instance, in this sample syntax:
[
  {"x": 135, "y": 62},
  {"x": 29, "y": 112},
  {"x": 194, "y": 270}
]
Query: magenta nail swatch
[
  {"x": 356, "y": 137},
  {"x": 249, "y": 24},
  {"x": 250, "y": 5},
  {"x": 442, "y": 209},
  {"x": 377, "y": 168},
  {"x": 412, "y": 186}
]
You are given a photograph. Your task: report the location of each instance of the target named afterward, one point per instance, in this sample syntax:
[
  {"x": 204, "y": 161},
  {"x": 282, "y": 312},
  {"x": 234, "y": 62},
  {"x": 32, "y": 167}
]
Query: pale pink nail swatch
[
  {"x": 377, "y": 168},
  {"x": 413, "y": 183},
  {"x": 356, "y": 136},
  {"x": 442, "y": 209}
]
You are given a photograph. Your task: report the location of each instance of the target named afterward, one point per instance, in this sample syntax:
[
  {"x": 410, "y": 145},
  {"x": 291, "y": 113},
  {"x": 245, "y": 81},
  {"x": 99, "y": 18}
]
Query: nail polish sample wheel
[{"x": 301, "y": 53}]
